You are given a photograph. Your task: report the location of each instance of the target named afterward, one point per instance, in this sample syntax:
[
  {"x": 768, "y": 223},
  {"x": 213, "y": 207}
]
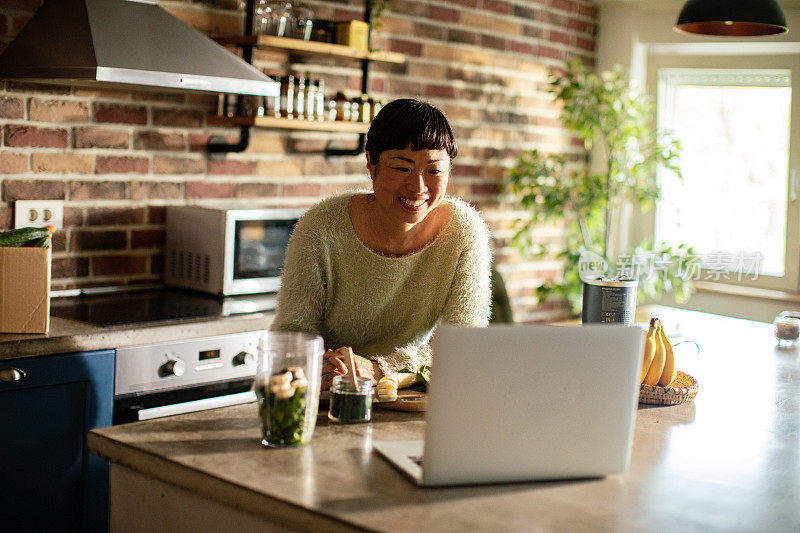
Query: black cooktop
[{"x": 155, "y": 306}]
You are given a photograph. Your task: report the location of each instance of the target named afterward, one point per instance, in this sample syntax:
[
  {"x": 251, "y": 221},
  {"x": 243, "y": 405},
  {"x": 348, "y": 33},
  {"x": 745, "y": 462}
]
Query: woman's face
[{"x": 409, "y": 184}]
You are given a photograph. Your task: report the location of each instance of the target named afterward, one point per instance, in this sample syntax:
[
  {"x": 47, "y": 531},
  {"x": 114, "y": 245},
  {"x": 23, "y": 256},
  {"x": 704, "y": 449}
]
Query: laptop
[{"x": 522, "y": 403}]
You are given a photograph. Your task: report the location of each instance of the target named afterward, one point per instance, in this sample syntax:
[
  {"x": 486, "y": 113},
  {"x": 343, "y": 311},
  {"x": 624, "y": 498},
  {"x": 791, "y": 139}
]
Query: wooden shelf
[
  {"x": 298, "y": 46},
  {"x": 289, "y": 124}
]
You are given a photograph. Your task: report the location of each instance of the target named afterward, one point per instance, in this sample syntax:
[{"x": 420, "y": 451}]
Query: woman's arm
[
  {"x": 301, "y": 298},
  {"x": 469, "y": 300}
]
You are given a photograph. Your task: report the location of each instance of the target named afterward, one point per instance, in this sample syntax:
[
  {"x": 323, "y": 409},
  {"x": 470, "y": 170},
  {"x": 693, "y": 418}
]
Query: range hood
[{"x": 124, "y": 44}]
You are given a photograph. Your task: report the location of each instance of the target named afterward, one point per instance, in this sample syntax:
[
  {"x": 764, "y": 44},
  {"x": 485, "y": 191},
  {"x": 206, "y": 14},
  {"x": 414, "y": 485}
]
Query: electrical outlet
[{"x": 38, "y": 213}]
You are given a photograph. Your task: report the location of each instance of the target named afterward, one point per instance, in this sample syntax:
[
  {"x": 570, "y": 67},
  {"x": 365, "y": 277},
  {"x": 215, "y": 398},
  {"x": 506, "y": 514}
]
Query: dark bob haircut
[{"x": 409, "y": 122}]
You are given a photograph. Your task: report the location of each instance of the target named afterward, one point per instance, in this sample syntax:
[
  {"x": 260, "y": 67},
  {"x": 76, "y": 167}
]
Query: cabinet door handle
[{"x": 11, "y": 374}]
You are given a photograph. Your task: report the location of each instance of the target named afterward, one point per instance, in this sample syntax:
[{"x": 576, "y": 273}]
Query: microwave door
[{"x": 259, "y": 247}]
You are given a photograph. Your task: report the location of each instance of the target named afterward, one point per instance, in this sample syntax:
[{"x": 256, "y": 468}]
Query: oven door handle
[{"x": 197, "y": 405}]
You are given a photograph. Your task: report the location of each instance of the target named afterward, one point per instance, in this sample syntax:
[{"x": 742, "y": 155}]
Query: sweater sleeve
[
  {"x": 301, "y": 298},
  {"x": 469, "y": 300}
]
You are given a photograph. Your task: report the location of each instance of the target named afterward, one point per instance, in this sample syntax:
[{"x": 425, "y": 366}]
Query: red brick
[
  {"x": 145, "y": 190},
  {"x": 465, "y": 3},
  {"x": 63, "y": 163},
  {"x": 58, "y": 110},
  {"x": 490, "y": 41},
  {"x": 586, "y": 44},
  {"x": 153, "y": 140},
  {"x": 587, "y": 11},
  {"x": 522, "y": 48},
  {"x": 122, "y": 165},
  {"x": 409, "y": 48},
  {"x": 6, "y": 217},
  {"x": 98, "y": 240},
  {"x": 120, "y": 114},
  {"x": 302, "y": 189},
  {"x": 558, "y": 37},
  {"x": 93, "y": 137},
  {"x": 579, "y": 25},
  {"x": 255, "y": 190},
  {"x": 39, "y": 137},
  {"x": 497, "y": 7},
  {"x": 548, "y": 51},
  {"x": 198, "y": 141},
  {"x": 114, "y": 265},
  {"x": 202, "y": 189},
  {"x": 178, "y": 165},
  {"x": 485, "y": 188},
  {"x": 564, "y": 5},
  {"x": 89, "y": 190},
  {"x": 442, "y": 13},
  {"x": 114, "y": 216},
  {"x": 148, "y": 238},
  {"x": 73, "y": 217},
  {"x": 157, "y": 214},
  {"x": 13, "y": 163},
  {"x": 33, "y": 190},
  {"x": 11, "y": 107},
  {"x": 232, "y": 167},
  {"x": 177, "y": 118},
  {"x": 69, "y": 267},
  {"x": 440, "y": 91},
  {"x": 149, "y": 96}
]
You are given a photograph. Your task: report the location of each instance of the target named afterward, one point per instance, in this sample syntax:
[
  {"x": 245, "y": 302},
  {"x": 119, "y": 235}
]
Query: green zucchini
[
  {"x": 21, "y": 236},
  {"x": 41, "y": 242}
]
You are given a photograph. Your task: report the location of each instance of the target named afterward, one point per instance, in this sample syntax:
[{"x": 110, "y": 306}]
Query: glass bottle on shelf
[
  {"x": 287, "y": 97},
  {"x": 302, "y": 22},
  {"x": 320, "y": 102},
  {"x": 311, "y": 99},
  {"x": 300, "y": 98},
  {"x": 273, "y": 17}
]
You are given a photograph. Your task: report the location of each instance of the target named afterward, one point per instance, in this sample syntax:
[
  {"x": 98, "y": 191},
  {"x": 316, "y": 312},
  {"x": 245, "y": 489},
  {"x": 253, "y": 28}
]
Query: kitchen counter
[
  {"x": 72, "y": 336},
  {"x": 729, "y": 460}
]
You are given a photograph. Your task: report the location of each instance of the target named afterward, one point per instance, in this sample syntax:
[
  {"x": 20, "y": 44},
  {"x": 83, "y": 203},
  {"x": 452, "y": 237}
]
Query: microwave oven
[{"x": 227, "y": 251}]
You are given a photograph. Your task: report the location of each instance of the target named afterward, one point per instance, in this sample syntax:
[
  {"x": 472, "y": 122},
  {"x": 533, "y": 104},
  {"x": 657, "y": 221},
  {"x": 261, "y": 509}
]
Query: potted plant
[{"x": 615, "y": 121}]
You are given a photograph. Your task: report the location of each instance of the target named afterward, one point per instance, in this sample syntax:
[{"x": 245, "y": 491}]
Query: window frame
[{"x": 790, "y": 281}]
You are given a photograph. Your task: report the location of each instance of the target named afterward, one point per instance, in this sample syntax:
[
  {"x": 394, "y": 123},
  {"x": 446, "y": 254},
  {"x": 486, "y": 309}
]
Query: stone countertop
[
  {"x": 70, "y": 336},
  {"x": 729, "y": 460}
]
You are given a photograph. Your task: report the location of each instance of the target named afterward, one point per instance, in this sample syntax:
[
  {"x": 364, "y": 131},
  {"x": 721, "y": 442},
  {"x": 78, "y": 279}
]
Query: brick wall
[{"x": 118, "y": 158}]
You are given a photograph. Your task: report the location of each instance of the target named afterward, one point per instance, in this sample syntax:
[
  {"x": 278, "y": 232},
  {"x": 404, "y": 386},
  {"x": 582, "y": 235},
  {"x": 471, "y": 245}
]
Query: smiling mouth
[{"x": 412, "y": 203}]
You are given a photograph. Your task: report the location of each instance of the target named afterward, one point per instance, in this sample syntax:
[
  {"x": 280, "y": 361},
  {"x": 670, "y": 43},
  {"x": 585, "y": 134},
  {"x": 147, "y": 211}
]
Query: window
[{"x": 736, "y": 203}]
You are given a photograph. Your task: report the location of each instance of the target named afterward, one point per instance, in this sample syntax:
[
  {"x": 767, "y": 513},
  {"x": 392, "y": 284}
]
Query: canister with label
[{"x": 609, "y": 300}]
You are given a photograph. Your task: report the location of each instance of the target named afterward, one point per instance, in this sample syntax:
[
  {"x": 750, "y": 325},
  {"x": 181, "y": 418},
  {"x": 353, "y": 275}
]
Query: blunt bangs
[{"x": 409, "y": 122}]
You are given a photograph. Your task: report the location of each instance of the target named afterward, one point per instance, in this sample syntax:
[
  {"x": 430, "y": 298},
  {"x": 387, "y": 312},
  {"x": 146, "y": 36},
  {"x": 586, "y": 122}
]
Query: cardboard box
[
  {"x": 353, "y": 33},
  {"x": 24, "y": 290}
]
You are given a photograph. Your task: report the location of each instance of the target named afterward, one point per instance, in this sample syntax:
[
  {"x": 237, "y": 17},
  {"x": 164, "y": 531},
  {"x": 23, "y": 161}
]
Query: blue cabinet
[{"x": 48, "y": 479}]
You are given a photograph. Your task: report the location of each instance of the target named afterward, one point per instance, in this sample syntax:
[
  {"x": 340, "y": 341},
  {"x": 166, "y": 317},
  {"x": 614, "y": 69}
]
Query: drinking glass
[{"x": 287, "y": 386}]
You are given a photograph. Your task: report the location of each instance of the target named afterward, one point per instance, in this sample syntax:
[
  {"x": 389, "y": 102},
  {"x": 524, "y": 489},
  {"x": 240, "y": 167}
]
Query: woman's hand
[{"x": 333, "y": 365}]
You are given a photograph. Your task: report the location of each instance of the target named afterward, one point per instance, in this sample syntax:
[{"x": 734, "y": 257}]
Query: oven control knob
[
  {"x": 244, "y": 358},
  {"x": 173, "y": 367}
]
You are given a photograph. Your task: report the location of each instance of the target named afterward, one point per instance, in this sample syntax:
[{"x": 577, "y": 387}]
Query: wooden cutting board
[{"x": 407, "y": 400}]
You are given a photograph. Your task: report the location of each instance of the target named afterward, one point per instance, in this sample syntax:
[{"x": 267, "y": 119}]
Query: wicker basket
[{"x": 682, "y": 390}]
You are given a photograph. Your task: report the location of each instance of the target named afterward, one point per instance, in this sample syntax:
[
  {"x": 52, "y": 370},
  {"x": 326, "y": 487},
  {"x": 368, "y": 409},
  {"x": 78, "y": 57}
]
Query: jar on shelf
[
  {"x": 302, "y": 22},
  {"x": 300, "y": 98}
]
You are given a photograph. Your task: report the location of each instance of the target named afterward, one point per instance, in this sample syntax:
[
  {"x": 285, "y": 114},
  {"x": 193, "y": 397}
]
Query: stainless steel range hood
[{"x": 124, "y": 44}]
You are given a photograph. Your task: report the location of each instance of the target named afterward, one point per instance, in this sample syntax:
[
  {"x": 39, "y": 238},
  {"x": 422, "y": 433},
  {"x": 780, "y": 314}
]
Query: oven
[{"x": 171, "y": 378}]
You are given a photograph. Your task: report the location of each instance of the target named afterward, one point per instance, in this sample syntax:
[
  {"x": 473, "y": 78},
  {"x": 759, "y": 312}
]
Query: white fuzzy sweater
[{"x": 385, "y": 308}]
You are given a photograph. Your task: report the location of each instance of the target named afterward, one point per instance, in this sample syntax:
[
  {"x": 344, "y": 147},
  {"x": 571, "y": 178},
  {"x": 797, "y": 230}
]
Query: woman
[{"x": 378, "y": 271}]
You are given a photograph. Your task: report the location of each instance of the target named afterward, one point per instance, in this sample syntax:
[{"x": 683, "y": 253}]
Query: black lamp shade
[{"x": 733, "y": 18}]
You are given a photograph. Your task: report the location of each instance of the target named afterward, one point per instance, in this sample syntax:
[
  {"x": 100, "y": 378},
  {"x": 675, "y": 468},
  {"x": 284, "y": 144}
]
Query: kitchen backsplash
[{"x": 118, "y": 158}]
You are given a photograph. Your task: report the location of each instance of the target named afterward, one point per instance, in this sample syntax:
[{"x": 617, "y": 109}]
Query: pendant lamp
[{"x": 732, "y": 18}]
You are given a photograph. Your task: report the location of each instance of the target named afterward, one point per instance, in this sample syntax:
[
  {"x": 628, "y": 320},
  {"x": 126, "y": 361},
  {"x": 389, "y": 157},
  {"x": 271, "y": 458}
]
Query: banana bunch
[{"x": 658, "y": 363}]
